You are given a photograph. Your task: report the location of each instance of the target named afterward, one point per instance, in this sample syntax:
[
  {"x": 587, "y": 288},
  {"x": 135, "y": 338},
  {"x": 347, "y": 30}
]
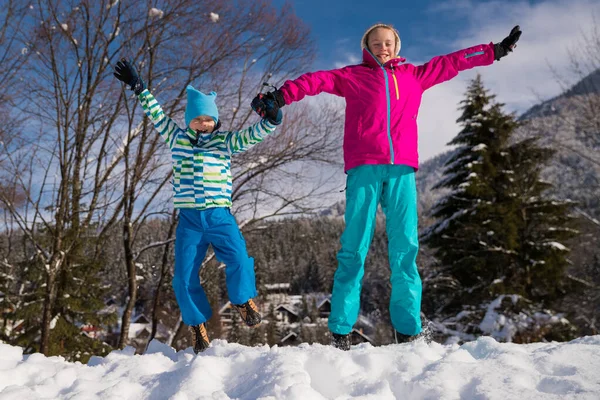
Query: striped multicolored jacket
[{"x": 202, "y": 171}]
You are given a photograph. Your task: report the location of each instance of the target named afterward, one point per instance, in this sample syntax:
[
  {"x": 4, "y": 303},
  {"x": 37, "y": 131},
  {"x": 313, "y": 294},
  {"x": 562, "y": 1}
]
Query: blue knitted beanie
[{"x": 199, "y": 104}]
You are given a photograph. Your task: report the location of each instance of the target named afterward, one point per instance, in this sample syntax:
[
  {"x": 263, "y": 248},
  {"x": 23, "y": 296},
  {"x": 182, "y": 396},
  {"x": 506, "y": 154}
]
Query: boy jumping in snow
[{"x": 201, "y": 156}]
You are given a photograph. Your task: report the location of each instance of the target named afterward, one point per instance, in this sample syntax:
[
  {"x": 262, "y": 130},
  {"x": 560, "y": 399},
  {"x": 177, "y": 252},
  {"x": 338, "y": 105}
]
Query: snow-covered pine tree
[
  {"x": 545, "y": 224},
  {"x": 80, "y": 316},
  {"x": 497, "y": 232},
  {"x": 476, "y": 230},
  {"x": 272, "y": 333}
]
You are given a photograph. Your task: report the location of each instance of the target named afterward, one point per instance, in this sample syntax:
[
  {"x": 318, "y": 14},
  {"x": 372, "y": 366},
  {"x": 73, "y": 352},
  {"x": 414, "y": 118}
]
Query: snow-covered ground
[{"x": 482, "y": 369}]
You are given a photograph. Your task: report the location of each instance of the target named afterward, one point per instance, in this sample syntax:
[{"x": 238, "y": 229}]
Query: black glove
[
  {"x": 508, "y": 44},
  {"x": 268, "y": 105},
  {"x": 126, "y": 73}
]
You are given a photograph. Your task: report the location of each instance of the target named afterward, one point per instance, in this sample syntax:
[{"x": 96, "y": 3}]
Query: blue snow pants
[
  {"x": 366, "y": 186},
  {"x": 195, "y": 231}
]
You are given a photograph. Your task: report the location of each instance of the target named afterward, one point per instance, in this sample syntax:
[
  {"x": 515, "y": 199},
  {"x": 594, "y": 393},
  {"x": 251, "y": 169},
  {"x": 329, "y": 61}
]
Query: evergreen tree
[
  {"x": 79, "y": 305},
  {"x": 6, "y": 279},
  {"x": 272, "y": 329},
  {"x": 497, "y": 233},
  {"x": 256, "y": 335},
  {"x": 305, "y": 312},
  {"x": 544, "y": 225},
  {"x": 476, "y": 232},
  {"x": 210, "y": 277},
  {"x": 312, "y": 281},
  {"x": 313, "y": 313},
  {"x": 237, "y": 331},
  {"x": 322, "y": 334}
]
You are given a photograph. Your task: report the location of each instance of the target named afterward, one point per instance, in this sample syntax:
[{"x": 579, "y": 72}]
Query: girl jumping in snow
[{"x": 382, "y": 96}]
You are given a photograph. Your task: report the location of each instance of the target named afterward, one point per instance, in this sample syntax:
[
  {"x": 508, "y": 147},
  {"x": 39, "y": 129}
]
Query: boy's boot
[
  {"x": 200, "y": 338},
  {"x": 249, "y": 313}
]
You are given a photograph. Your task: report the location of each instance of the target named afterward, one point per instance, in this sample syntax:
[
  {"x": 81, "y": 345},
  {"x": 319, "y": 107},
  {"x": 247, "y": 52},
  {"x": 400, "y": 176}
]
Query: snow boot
[
  {"x": 200, "y": 338},
  {"x": 425, "y": 334},
  {"x": 249, "y": 313},
  {"x": 341, "y": 342}
]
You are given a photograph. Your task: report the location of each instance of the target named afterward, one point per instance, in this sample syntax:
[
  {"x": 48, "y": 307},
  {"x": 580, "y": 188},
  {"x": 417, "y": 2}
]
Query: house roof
[
  {"x": 286, "y": 308},
  {"x": 141, "y": 319},
  {"x": 323, "y": 301},
  {"x": 362, "y": 335},
  {"x": 275, "y": 286},
  {"x": 288, "y": 336},
  {"x": 136, "y": 329},
  {"x": 225, "y": 307}
]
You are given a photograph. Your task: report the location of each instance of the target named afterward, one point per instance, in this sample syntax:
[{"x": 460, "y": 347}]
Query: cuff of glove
[
  {"x": 279, "y": 100},
  {"x": 499, "y": 51},
  {"x": 274, "y": 122},
  {"x": 138, "y": 87},
  {"x": 268, "y": 124}
]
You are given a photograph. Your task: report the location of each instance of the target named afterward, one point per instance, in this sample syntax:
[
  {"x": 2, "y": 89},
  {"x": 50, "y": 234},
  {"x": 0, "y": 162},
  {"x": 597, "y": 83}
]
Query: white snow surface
[{"x": 482, "y": 369}]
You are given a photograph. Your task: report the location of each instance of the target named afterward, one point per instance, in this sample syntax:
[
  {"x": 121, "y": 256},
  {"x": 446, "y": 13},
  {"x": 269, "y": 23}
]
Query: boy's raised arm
[
  {"x": 242, "y": 140},
  {"x": 271, "y": 115},
  {"x": 126, "y": 73}
]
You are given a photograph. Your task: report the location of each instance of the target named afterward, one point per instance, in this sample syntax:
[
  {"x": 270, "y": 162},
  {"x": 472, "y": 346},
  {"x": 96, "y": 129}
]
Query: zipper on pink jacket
[{"x": 387, "y": 96}]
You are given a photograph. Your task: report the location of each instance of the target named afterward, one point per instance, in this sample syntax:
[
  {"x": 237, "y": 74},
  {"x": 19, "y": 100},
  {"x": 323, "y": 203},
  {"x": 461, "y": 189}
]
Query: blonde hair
[{"x": 364, "y": 42}]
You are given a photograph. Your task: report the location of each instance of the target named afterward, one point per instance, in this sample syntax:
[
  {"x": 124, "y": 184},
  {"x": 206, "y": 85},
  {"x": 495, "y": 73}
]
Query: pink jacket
[{"x": 382, "y": 101}]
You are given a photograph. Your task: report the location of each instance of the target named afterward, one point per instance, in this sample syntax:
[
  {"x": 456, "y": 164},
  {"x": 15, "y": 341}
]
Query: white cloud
[
  {"x": 348, "y": 59},
  {"x": 523, "y": 78},
  {"x": 437, "y": 116}
]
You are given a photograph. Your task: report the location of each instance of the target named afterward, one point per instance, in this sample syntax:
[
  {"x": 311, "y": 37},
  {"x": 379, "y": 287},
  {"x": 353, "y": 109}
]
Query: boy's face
[
  {"x": 203, "y": 124},
  {"x": 382, "y": 43}
]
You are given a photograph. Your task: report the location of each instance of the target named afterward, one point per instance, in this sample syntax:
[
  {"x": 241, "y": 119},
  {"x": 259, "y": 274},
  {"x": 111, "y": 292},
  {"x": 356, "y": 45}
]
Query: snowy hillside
[{"x": 483, "y": 369}]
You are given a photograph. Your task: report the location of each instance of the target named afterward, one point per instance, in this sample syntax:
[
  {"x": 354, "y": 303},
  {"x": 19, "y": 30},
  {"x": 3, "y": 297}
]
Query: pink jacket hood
[{"x": 382, "y": 101}]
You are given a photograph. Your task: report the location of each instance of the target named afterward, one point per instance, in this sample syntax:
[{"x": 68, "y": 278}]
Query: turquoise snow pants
[
  {"x": 394, "y": 186},
  {"x": 197, "y": 229}
]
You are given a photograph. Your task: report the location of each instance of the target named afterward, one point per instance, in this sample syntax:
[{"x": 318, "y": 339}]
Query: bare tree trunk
[
  {"x": 50, "y": 299},
  {"x": 177, "y": 332},
  {"x": 131, "y": 285},
  {"x": 164, "y": 272}
]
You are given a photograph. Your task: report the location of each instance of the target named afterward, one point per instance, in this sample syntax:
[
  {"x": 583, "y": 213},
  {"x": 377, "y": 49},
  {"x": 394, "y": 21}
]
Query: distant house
[
  {"x": 289, "y": 309},
  {"x": 291, "y": 339},
  {"x": 92, "y": 331},
  {"x": 358, "y": 337},
  {"x": 324, "y": 308},
  {"x": 286, "y": 314},
  {"x": 142, "y": 334},
  {"x": 6, "y": 307},
  {"x": 277, "y": 287},
  {"x": 226, "y": 313},
  {"x": 141, "y": 319}
]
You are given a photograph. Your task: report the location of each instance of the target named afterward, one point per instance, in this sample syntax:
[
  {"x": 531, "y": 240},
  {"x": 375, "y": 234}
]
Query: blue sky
[{"x": 428, "y": 28}]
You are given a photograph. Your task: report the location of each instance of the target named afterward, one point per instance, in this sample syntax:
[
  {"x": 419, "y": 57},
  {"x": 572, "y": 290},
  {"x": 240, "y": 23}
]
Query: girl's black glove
[{"x": 508, "y": 44}]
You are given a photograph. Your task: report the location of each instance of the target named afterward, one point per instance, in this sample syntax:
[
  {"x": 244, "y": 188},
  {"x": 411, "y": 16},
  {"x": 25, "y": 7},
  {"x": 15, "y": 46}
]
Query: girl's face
[
  {"x": 203, "y": 124},
  {"x": 382, "y": 43}
]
